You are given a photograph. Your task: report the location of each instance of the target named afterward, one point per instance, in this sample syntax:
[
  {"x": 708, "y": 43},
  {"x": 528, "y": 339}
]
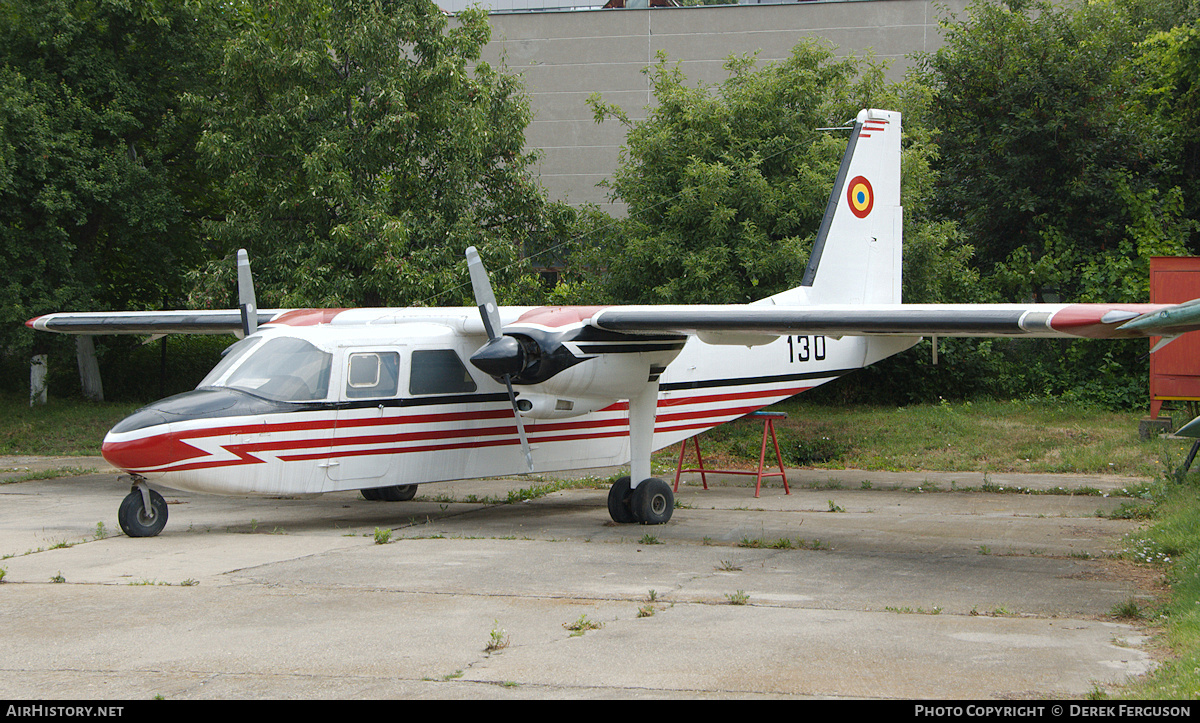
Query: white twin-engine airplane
[{"x": 381, "y": 400}]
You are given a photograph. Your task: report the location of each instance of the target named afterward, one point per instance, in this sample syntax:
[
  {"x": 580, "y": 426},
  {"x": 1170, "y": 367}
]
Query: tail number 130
[{"x": 806, "y": 348}]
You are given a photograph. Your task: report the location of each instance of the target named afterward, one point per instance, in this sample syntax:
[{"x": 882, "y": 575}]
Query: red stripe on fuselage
[{"x": 164, "y": 450}]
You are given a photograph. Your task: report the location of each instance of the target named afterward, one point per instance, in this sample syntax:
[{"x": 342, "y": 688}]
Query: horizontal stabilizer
[{"x": 1171, "y": 321}]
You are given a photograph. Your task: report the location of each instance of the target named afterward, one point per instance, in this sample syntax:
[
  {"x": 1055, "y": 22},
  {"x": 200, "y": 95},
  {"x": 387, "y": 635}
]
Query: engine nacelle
[
  {"x": 551, "y": 406},
  {"x": 606, "y": 376}
]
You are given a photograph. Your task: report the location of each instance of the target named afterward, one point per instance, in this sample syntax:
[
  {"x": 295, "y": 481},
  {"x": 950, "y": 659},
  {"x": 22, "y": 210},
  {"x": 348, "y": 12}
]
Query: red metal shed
[{"x": 1174, "y": 369}]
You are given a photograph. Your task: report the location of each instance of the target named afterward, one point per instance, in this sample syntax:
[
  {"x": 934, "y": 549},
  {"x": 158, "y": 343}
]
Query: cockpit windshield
[
  {"x": 232, "y": 354},
  {"x": 284, "y": 368}
]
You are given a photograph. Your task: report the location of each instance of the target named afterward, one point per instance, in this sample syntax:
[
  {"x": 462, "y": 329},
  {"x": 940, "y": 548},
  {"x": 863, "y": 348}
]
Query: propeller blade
[
  {"x": 512, "y": 397},
  {"x": 246, "y": 301},
  {"x": 499, "y": 349},
  {"x": 484, "y": 298}
]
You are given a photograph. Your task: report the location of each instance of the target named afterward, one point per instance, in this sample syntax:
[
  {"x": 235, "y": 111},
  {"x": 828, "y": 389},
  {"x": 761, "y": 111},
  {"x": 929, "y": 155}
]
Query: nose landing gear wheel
[{"x": 136, "y": 520}]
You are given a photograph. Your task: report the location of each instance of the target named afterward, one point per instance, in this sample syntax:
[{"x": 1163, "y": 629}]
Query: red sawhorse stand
[{"x": 768, "y": 428}]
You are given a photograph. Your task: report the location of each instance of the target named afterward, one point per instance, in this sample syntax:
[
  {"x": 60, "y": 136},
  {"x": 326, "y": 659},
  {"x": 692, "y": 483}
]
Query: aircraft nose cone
[
  {"x": 136, "y": 442},
  {"x": 125, "y": 454},
  {"x": 500, "y": 356},
  {"x": 144, "y": 440}
]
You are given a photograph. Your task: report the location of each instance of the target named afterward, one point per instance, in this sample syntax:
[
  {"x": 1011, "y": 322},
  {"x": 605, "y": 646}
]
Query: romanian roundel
[{"x": 861, "y": 196}]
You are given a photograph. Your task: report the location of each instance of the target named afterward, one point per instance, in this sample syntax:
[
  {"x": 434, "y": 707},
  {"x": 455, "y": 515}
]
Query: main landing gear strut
[{"x": 651, "y": 501}]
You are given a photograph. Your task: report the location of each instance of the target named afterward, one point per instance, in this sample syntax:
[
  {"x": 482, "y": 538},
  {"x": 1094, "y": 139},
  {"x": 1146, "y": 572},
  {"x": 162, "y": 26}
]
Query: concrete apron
[{"x": 861, "y": 585}]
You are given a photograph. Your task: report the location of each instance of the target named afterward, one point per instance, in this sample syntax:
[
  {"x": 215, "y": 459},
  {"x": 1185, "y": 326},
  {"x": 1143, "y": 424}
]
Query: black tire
[
  {"x": 370, "y": 494},
  {"x": 652, "y": 502},
  {"x": 397, "y": 493},
  {"x": 134, "y": 519},
  {"x": 618, "y": 502}
]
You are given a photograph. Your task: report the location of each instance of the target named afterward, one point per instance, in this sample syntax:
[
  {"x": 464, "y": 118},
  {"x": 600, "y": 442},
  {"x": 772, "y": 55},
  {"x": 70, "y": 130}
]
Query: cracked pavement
[{"x": 905, "y": 594}]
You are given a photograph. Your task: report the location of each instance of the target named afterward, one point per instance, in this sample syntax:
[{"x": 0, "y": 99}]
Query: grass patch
[
  {"x": 61, "y": 427},
  {"x": 1171, "y": 544},
  {"x": 1016, "y": 436},
  {"x": 52, "y": 473}
]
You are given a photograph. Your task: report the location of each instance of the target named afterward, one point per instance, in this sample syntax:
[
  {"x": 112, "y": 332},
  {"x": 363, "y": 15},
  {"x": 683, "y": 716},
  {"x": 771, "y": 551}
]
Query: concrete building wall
[{"x": 566, "y": 56}]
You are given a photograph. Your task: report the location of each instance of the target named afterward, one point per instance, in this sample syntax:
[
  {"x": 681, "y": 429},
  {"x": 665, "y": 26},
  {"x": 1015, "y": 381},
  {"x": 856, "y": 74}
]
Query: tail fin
[{"x": 856, "y": 258}]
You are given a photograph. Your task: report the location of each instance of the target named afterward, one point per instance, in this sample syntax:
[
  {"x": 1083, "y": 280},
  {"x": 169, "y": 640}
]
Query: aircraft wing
[
  {"x": 1098, "y": 321},
  {"x": 221, "y": 321}
]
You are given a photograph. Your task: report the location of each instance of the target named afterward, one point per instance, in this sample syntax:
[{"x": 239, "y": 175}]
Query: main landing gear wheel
[
  {"x": 651, "y": 503},
  {"x": 618, "y": 502},
  {"x": 395, "y": 493},
  {"x": 136, "y": 520}
]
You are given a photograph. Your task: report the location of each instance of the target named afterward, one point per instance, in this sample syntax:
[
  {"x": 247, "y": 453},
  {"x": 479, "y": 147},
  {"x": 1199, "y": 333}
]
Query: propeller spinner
[{"x": 502, "y": 356}]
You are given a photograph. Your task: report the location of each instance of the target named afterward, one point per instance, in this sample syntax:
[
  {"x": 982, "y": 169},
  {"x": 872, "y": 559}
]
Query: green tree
[
  {"x": 364, "y": 146},
  {"x": 1168, "y": 65},
  {"x": 1046, "y": 157},
  {"x": 726, "y": 185},
  {"x": 1054, "y": 165},
  {"x": 99, "y": 188}
]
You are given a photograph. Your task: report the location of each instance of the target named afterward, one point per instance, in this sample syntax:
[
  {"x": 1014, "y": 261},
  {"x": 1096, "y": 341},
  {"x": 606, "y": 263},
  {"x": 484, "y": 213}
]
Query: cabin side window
[
  {"x": 439, "y": 371},
  {"x": 372, "y": 374}
]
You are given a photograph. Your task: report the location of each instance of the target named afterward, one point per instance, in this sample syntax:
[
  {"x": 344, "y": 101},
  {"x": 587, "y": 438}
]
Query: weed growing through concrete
[
  {"x": 783, "y": 543},
  {"x": 1127, "y": 610},
  {"x": 497, "y": 639},
  {"x": 741, "y": 597},
  {"x": 382, "y": 537},
  {"x": 905, "y": 610},
  {"x": 582, "y": 625}
]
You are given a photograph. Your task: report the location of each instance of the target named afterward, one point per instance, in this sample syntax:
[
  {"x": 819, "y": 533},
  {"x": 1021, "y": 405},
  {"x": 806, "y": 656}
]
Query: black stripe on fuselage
[
  {"x": 746, "y": 381},
  {"x": 633, "y": 348}
]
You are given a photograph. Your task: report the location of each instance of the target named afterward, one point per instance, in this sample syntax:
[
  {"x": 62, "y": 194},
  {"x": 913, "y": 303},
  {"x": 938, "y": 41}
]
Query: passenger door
[{"x": 367, "y": 419}]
